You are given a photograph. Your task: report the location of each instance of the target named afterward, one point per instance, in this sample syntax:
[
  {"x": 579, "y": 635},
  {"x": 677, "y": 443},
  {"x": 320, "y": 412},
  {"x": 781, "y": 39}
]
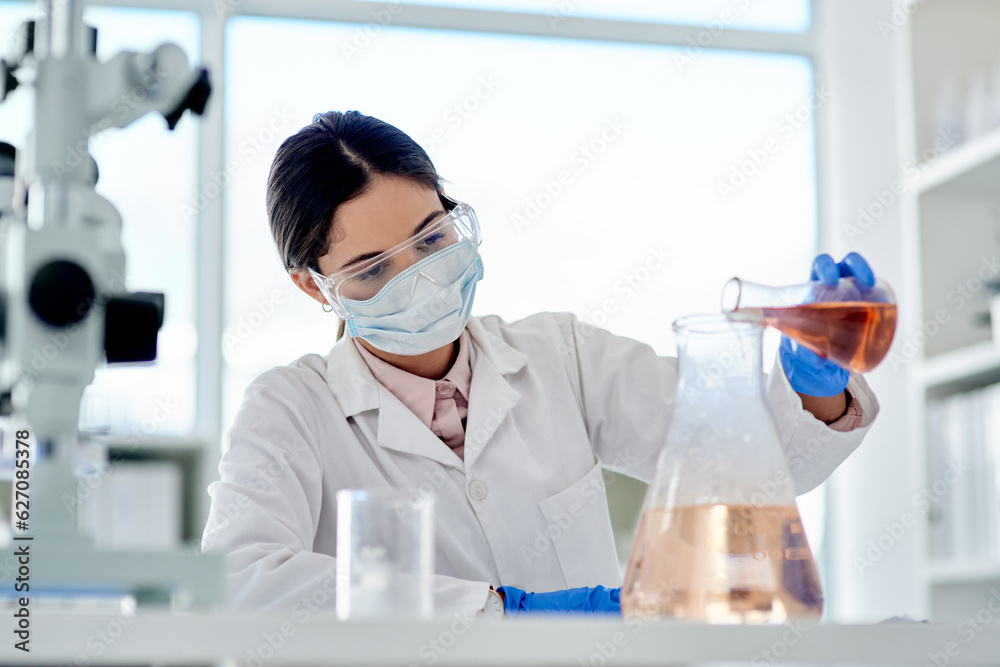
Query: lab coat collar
[
  {"x": 504, "y": 358},
  {"x": 491, "y": 396},
  {"x": 352, "y": 384},
  {"x": 356, "y": 391},
  {"x": 396, "y": 427}
]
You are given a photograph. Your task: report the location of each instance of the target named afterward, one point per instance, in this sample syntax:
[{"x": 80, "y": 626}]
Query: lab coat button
[{"x": 477, "y": 489}]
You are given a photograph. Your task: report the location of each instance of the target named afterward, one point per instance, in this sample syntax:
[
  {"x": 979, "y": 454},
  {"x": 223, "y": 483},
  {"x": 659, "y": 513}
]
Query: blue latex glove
[
  {"x": 807, "y": 372},
  {"x": 597, "y": 600}
]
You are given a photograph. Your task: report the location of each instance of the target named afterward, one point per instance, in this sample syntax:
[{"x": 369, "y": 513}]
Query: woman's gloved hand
[
  {"x": 597, "y": 600},
  {"x": 807, "y": 372}
]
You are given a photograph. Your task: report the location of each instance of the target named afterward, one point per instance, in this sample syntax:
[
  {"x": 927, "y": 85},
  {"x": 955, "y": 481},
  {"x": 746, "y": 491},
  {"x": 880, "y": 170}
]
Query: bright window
[{"x": 597, "y": 170}]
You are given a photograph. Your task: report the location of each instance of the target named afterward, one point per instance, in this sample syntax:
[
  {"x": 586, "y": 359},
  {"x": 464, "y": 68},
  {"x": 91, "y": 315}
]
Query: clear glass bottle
[{"x": 720, "y": 539}]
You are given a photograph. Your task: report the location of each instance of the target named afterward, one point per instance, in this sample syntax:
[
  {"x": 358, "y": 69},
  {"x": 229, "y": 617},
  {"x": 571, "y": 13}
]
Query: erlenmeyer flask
[
  {"x": 720, "y": 539},
  {"x": 848, "y": 323}
]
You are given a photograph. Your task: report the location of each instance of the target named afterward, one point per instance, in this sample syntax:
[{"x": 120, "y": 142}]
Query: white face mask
[{"x": 423, "y": 308}]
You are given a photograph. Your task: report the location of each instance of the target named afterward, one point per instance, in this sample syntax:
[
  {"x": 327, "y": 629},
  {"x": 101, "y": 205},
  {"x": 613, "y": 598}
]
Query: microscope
[{"x": 61, "y": 259}]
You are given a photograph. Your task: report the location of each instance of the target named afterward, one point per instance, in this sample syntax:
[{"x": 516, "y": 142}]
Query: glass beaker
[
  {"x": 720, "y": 539},
  {"x": 385, "y": 553},
  {"x": 848, "y": 323}
]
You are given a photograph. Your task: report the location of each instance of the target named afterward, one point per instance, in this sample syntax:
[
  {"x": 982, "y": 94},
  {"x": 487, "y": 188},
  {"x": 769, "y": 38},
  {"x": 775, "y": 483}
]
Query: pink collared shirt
[{"x": 442, "y": 405}]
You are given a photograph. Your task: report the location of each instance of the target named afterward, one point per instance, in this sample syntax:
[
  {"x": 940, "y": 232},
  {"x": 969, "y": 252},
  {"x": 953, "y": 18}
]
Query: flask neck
[
  {"x": 722, "y": 445},
  {"x": 716, "y": 354}
]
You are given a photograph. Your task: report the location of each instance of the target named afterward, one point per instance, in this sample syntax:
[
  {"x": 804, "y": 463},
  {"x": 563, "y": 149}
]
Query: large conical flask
[{"x": 720, "y": 539}]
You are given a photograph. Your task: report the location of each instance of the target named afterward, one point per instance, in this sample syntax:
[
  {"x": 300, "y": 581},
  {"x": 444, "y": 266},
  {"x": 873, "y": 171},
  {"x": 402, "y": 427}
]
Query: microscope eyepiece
[{"x": 61, "y": 293}]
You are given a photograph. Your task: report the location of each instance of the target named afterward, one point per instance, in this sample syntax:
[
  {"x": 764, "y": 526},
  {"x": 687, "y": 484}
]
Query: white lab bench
[{"x": 161, "y": 638}]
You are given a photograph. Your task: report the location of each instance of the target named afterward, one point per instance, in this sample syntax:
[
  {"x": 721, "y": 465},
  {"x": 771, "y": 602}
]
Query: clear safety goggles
[{"x": 363, "y": 281}]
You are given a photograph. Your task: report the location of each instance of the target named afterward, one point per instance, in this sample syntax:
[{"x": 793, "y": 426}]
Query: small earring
[{"x": 327, "y": 308}]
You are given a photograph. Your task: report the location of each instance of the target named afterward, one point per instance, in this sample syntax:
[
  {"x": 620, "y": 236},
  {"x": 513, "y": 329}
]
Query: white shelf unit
[
  {"x": 955, "y": 207},
  {"x": 972, "y": 167},
  {"x": 966, "y": 368},
  {"x": 962, "y": 573},
  {"x": 925, "y": 218}
]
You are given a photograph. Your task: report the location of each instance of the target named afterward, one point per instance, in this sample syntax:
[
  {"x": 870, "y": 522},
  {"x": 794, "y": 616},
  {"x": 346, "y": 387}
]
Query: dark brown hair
[{"x": 327, "y": 163}]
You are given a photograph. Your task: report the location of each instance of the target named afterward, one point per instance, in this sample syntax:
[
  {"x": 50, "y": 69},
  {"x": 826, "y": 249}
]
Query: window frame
[{"x": 214, "y": 16}]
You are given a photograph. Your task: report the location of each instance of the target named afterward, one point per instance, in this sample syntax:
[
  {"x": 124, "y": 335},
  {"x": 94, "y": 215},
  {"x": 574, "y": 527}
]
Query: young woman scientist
[{"x": 509, "y": 422}]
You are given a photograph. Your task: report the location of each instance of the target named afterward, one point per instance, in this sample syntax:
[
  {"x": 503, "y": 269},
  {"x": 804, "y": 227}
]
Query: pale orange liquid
[
  {"x": 722, "y": 564},
  {"x": 856, "y": 335}
]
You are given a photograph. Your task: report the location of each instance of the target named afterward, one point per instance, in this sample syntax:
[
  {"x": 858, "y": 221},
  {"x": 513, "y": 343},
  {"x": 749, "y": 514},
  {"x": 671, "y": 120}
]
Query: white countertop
[{"x": 212, "y": 638}]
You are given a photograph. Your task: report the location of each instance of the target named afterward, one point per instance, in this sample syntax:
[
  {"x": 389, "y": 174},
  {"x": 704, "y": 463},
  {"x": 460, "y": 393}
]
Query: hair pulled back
[{"x": 329, "y": 162}]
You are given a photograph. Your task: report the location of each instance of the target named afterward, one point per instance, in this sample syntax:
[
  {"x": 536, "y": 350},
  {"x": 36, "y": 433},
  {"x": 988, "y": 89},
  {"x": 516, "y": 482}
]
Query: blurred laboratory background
[{"x": 625, "y": 159}]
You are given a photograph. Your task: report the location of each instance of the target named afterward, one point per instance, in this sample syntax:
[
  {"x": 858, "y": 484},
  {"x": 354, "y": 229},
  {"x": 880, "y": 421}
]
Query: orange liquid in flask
[
  {"x": 853, "y": 334},
  {"x": 722, "y": 564}
]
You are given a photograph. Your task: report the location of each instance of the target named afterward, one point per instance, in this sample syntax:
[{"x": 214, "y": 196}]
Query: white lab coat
[{"x": 552, "y": 402}]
